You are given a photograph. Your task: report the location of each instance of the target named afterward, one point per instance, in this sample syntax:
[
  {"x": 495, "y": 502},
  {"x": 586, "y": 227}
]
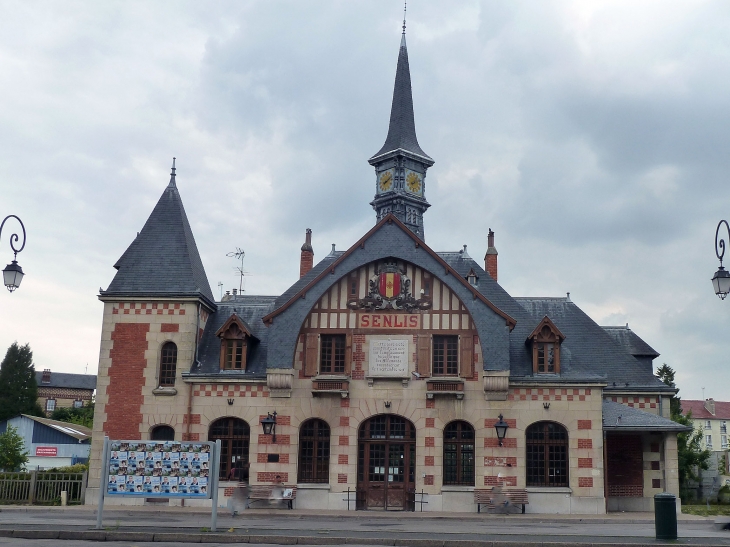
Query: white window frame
[
  {"x": 50, "y": 405},
  {"x": 708, "y": 424},
  {"x": 708, "y": 441}
]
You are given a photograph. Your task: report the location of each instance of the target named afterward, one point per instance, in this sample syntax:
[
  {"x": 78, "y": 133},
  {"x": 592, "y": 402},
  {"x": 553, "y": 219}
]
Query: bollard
[
  {"x": 64, "y": 498},
  {"x": 665, "y": 515}
]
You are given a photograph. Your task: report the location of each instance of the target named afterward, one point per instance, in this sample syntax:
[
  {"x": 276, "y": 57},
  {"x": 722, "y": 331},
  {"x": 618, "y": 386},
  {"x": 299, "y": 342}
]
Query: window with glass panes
[
  {"x": 459, "y": 454},
  {"x": 234, "y": 435},
  {"x": 547, "y": 454},
  {"x": 332, "y": 354},
  {"x": 168, "y": 364},
  {"x": 445, "y": 352},
  {"x": 162, "y": 433},
  {"x": 314, "y": 452},
  {"x": 233, "y": 356}
]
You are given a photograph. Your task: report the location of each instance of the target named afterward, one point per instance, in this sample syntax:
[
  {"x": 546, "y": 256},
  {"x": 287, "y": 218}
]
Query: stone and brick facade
[{"x": 388, "y": 366}]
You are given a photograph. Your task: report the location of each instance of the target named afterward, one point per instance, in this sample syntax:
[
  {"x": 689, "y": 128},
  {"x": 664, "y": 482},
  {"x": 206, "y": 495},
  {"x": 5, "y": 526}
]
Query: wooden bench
[
  {"x": 494, "y": 499},
  {"x": 265, "y": 492}
]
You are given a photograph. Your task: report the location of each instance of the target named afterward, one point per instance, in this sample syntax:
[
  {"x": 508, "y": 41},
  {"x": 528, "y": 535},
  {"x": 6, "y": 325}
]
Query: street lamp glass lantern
[
  {"x": 721, "y": 283},
  {"x": 269, "y": 424},
  {"x": 12, "y": 275},
  {"x": 501, "y": 426}
]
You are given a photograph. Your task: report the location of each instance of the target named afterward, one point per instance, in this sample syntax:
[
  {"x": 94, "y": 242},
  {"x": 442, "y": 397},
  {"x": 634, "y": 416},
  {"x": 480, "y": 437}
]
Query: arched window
[
  {"x": 459, "y": 454},
  {"x": 234, "y": 435},
  {"x": 547, "y": 454},
  {"x": 162, "y": 433},
  {"x": 168, "y": 364},
  {"x": 314, "y": 452}
]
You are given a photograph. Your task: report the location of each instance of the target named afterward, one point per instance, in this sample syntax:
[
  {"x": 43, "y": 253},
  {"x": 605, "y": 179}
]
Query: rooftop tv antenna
[
  {"x": 220, "y": 286},
  {"x": 239, "y": 254}
]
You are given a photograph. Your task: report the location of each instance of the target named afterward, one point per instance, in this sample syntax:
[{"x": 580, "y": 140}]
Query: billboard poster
[{"x": 165, "y": 469}]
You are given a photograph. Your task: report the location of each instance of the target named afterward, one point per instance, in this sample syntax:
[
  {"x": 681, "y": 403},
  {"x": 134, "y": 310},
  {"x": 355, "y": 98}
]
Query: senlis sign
[
  {"x": 46, "y": 451},
  {"x": 389, "y": 321}
]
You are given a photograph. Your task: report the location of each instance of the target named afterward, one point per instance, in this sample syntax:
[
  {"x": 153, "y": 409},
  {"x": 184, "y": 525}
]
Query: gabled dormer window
[
  {"x": 235, "y": 338},
  {"x": 545, "y": 341}
]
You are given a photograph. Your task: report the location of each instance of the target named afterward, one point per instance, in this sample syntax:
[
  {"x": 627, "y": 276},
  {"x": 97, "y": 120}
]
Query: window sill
[
  {"x": 168, "y": 391},
  {"x": 313, "y": 486},
  {"x": 455, "y": 488},
  {"x": 549, "y": 489}
]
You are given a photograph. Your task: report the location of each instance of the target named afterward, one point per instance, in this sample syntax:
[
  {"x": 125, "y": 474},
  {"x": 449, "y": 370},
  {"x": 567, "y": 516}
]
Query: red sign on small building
[{"x": 46, "y": 451}]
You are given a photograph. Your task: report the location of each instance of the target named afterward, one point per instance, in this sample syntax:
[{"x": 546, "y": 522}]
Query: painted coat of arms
[{"x": 390, "y": 289}]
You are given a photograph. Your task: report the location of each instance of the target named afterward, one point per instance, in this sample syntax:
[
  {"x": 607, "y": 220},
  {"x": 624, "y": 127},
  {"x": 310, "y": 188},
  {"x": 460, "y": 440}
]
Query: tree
[
  {"x": 18, "y": 387},
  {"x": 12, "y": 454},
  {"x": 81, "y": 416},
  {"x": 689, "y": 445}
]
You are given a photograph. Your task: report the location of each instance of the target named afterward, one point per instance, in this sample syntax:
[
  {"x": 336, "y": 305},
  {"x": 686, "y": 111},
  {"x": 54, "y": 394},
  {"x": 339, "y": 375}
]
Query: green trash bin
[{"x": 665, "y": 515}]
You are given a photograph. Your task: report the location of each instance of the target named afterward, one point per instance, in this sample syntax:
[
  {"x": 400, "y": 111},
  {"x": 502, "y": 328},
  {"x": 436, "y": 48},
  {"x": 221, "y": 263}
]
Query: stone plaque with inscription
[{"x": 389, "y": 358}]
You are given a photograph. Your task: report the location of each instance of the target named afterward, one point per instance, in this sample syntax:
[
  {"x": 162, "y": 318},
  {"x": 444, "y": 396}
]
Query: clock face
[
  {"x": 385, "y": 182},
  {"x": 413, "y": 182}
]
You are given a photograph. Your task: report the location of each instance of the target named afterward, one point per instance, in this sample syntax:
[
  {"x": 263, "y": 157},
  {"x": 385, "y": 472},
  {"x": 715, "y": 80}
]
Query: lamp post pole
[
  {"x": 13, "y": 273},
  {"x": 721, "y": 280}
]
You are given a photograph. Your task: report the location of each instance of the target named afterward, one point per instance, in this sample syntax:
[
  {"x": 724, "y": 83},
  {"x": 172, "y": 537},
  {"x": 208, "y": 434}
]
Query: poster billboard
[{"x": 166, "y": 469}]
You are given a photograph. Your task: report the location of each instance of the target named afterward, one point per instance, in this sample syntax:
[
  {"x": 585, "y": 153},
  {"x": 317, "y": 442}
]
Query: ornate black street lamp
[
  {"x": 721, "y": 281},
  {"x": 13, "y": 273}
]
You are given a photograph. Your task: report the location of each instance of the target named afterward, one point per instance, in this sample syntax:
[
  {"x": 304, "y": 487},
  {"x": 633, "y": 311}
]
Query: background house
[
  {"x": 50, "y": 443},
  {"x": 64, "y": 390},
  {"x": 711, "y": 418}
]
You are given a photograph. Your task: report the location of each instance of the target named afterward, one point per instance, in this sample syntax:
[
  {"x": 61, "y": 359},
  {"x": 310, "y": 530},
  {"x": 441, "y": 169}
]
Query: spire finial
[
  {"x": 405, "y": 5},
  {"x": 172, "y": 174}
]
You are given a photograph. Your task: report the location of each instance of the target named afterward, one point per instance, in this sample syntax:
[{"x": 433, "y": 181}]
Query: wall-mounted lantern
[
  {"x": 501, "y": 426},
  {"x": 269, "y": 425}
]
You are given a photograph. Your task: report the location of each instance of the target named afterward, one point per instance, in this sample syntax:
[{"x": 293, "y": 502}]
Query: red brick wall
[
  {"x": 169, "y": 327},
  {"x": 270, "y": 476},
  {"x": 585, "y": 443},
  {"x": 126, "y": 378}
]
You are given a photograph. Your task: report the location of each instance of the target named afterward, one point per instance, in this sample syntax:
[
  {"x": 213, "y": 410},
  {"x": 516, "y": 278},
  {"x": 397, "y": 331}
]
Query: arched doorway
[{"x": 386, "y": 463}]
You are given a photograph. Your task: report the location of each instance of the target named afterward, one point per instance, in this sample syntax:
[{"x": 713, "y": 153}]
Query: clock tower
[{"x": 400, "y": 165}]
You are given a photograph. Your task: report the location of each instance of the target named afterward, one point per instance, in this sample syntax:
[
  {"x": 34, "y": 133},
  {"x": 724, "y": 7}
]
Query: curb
[{"x": 115, "y": 535}]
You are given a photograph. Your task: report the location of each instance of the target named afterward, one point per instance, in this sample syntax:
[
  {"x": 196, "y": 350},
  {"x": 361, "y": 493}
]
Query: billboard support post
[
  {"x": 215, "y": 465},
  {"x": 102, "y": 481}
]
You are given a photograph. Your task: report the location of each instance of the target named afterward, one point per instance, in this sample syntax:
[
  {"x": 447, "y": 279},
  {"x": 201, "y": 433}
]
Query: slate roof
[
  {"x": 78, "y": 432},
  {"x": 163, "y": 260},
  {"x": 402, "y": 128},
  {"x": 722, "y": 410},
  {"x": 631, "y": 341},
  {"x": 588, "y": 351},
  {"x": 250, "y": 309},
  {"x": 618, "y": 417},
  {"x": 66, "y": 380}
]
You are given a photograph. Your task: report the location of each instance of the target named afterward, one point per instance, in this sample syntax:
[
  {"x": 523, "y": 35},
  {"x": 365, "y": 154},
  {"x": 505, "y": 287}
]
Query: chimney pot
[
  {"x": 306, "y": 262},
  {"x": 490, "y": 259},
  {"x": 46, "y": 378},
  {"x": 235, "y": 292}
]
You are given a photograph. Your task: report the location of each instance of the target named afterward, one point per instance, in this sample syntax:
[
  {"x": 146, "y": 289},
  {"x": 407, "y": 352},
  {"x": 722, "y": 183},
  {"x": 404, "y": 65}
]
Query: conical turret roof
[
  {"x": 163, "y": 260},
  {"x": 402, "y": 129}
]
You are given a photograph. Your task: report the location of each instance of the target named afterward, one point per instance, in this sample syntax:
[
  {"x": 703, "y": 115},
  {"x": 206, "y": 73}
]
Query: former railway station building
[{"x": 388, "y": 366}]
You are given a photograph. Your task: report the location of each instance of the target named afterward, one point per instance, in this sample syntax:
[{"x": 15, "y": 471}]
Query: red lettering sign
[
  {"x": 46, "y": 451},
  {"x": 390, "y": 321}
]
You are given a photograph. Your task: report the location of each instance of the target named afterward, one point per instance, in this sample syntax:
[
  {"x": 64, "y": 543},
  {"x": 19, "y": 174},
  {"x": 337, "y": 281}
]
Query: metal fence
[{"x": 42, "y": 488}]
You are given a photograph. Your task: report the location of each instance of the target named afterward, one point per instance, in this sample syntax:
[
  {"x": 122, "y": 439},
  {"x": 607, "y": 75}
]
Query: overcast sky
[{"x": 592, "y": 137}]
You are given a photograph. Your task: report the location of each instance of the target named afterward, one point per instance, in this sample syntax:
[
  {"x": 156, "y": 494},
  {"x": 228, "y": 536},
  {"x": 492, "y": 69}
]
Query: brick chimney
[
  {"x": 490, "y": 259},
  {"x": 307, "y": 261},
  {"x": 710, "y": 405},
  {"x": 46, "y": 378}
]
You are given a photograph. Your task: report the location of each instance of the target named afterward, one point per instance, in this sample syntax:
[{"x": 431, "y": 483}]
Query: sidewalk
[{"x": 304, "y": 527}]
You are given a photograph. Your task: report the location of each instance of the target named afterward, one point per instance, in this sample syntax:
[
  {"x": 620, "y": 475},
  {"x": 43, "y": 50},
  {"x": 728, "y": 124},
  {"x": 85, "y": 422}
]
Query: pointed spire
[
  {"x": 402, "y": 128},
  {"x": 163, "y": 260},
  {"x": 172, "y": 175}
]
